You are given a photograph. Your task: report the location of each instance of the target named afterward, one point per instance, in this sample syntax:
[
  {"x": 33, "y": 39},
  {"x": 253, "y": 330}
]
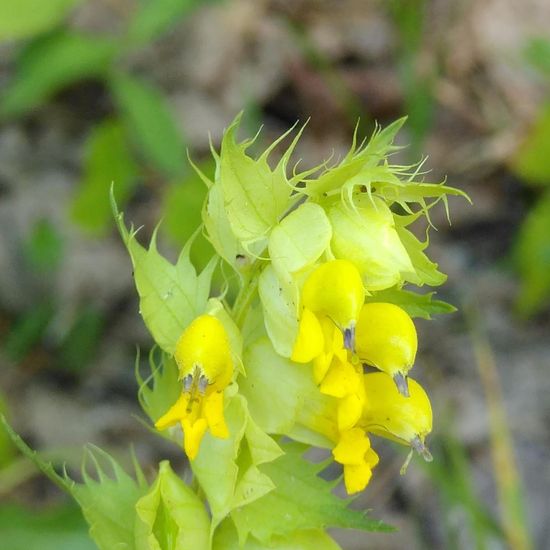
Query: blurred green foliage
[
  {"x": 108, "y": 161},
  {"x": 140, "y": 136},
  {"x": 417, "y": 80},
  {"x": 62, "y": 528},
  {"x": 137, "y": 142},
  {"x": 26, "y": 18},
  {"x": 452, "y": 474},
  {"x": 531, "y": 163},
  {"x": 43, "y": 250}
]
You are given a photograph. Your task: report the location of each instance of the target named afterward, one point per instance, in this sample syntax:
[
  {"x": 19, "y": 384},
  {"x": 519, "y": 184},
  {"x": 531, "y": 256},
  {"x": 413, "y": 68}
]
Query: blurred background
[{"x": 95, "y": 91}]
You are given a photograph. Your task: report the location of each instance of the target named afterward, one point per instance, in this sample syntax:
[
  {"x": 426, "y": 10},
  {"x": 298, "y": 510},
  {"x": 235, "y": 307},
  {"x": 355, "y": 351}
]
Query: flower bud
[{"x": 367, "y": 237}]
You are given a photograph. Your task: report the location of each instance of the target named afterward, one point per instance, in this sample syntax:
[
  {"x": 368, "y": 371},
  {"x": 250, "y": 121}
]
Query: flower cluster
[{"x": 313, "y": 269}]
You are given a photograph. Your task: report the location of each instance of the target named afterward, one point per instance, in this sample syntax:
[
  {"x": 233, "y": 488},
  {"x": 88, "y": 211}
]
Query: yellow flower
[
  {"x": 386, "y": 339},
  {"x": 355, "y": 453},
  {"x": 205, "y": 367},
  {"x": 407, "y": 420},
  {"x": 335, "y": 289}
]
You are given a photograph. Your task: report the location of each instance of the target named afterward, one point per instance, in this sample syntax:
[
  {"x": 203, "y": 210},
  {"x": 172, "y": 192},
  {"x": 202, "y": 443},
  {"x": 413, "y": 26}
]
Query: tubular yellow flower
[
  {"x": 386, "y": 339},
  {"x": 358, "y": 458},
  {"x": 387, "y": 413},
  {"x": 205, "y": 366},
  {"x": 335, "y": 289}
]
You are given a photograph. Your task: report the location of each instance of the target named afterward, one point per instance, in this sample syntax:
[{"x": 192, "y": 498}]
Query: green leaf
[
  {"x": 172, "y": 516},
  {"x": 282, "y": 512},
  {"x": 530, "y": 162},
  {"x": 282, "y": 395},
  {"x": 44, "y": 247},
  {"x": 227, "y": 469},
  {"x": 300, "y": 238},
  {"x": 254, "y": 195},
  {"x": 108, "y": 162},
  {"x": 25, "y": 18},
  {"x": 532, "y": 259},
  {"x": 61, "y": 528},
  {"x": 416, "y": 305},
  {"x": 150, "y": 123},
  {"x": 226, "y": 538},
  {"x": 50, "y": 63},
  {"x": 155, "y": 17},
  {"x": 171, "y": 296}
]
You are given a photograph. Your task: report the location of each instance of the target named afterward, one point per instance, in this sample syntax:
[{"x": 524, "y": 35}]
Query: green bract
[{"x": 273, "y": 235}]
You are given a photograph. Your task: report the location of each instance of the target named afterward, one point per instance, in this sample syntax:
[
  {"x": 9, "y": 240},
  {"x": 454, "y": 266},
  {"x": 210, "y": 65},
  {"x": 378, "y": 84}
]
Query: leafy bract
[
  {"x": 26, "y": 18},
  {"x": 226, "y": 538},
  {"x": 227, "y": 480},
  {"x": 300, "y": 238},
  {"x": 161, "y": 389},
  {"x": 416, "y": 305},
  {"x": 280, "y": 298},
  {"x": 150, "y": 123},
  {"x": 301, "y": 500},
  {"x": 282, "y": 395},
  {"x": 366, "y": 154},
  {"x": 107, "y": 502},
  {"x": 425, "y": 271},
  {"x": 254, "y": 195},
  {"x": 52, "y": 62},
  {"x": 171, "y": 296},
  {"x": 172, "y": 516},
  {"x": 108, "y": 162}
]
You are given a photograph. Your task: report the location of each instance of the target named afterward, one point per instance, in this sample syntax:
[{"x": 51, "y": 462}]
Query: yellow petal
[
  {"x": 371, "y": 458},
  {"x": 310, "y": 341},
  {"x": 174, "y": 415},
  {"x": 193, "y": 432},
  {"x": 356, "y": 477},
  {"x": 334, "y": 346},
  {"x": 349, "y": 411},
  {"x": 341, "y": 379},
  {"x": 352, "y": 447},
  {"x": 213, "y": 412}
]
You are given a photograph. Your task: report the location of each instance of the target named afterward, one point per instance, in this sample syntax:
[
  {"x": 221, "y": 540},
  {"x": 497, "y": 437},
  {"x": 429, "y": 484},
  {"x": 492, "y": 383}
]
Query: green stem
[{"x": 245, "y": 296}]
